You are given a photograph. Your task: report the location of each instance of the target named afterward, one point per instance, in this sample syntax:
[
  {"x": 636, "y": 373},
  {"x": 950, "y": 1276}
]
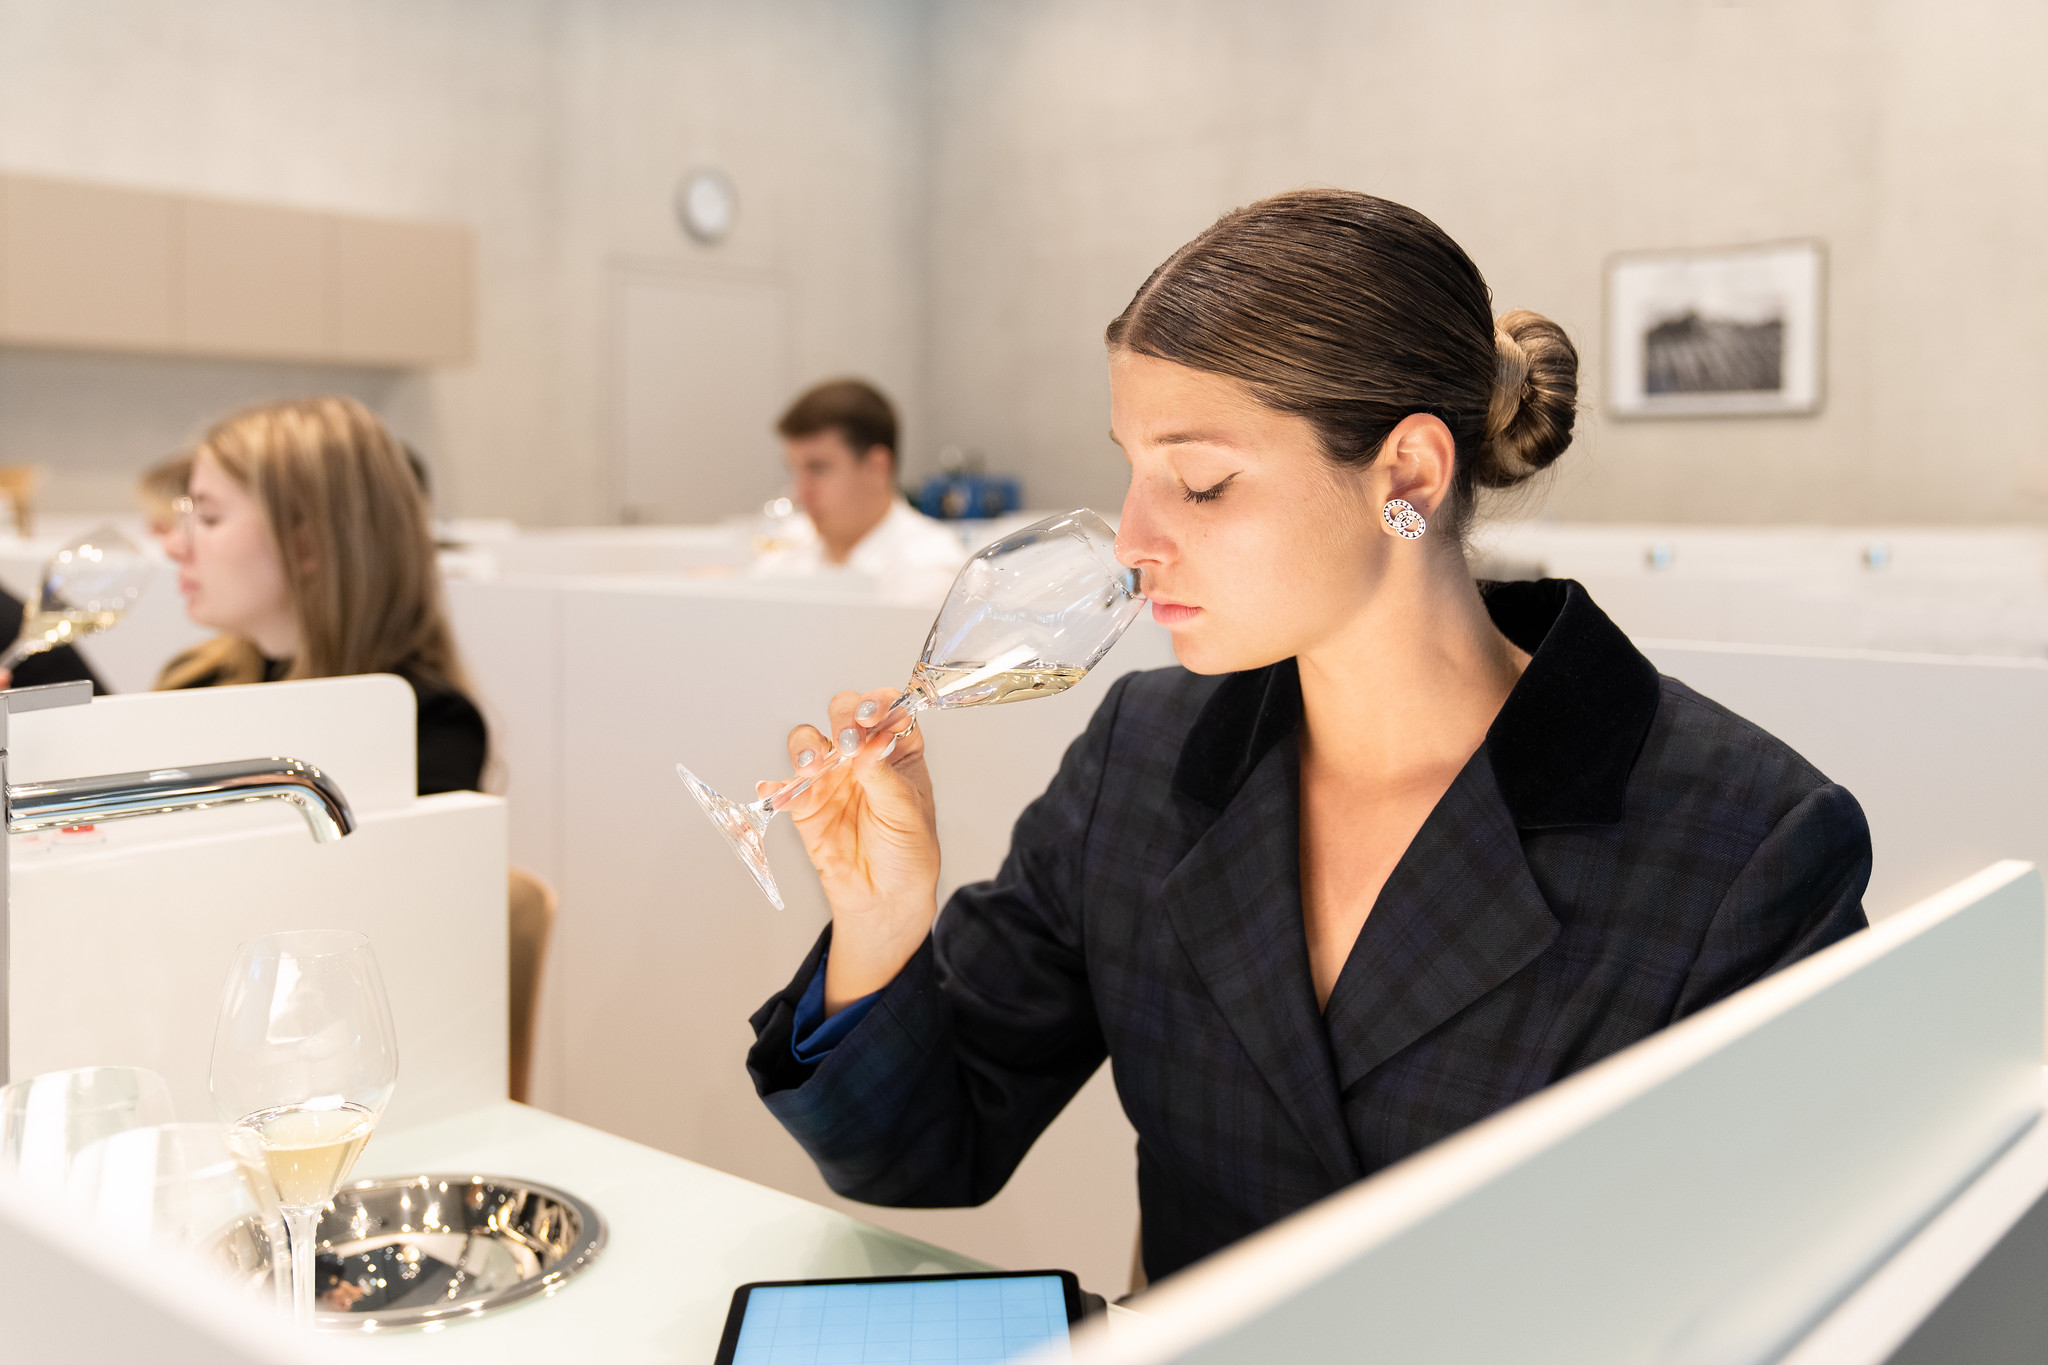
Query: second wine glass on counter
[
  {"x": 185, "y": 1187},
  {"x": 304, "y": 1060},
  {"x": 86, "y": 588},
  {"x": 1028, "y": 616},
  {"x": 46, "y": 1120}
]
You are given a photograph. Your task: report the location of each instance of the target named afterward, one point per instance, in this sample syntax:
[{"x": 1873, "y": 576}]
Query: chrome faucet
[{"x": 121, "y": 796}]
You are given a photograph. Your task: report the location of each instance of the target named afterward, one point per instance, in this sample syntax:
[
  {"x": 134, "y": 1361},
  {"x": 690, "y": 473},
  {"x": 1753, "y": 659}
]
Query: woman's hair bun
[{"x": 1535, "y": 397}]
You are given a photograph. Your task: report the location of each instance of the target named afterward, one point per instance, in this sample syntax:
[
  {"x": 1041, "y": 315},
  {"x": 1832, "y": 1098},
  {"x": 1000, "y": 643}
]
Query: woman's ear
[{"x": 1419, "y": 461}]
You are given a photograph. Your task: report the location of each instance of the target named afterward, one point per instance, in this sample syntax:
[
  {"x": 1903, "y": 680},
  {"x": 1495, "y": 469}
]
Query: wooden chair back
[{"x": 531, "y": 910}]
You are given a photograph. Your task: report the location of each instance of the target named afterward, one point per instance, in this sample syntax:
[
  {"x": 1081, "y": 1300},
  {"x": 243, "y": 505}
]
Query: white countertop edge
[{"x": 1886, "y": 1309}]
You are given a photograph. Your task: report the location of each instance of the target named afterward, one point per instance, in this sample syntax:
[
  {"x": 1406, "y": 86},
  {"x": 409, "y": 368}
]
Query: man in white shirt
[{"x": 839, "y": 442}]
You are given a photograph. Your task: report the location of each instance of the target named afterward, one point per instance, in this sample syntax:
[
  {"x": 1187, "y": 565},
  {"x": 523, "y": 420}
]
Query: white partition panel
[
  {"x": 362, "y": 732},
  {"x": 122, "y": 938},
  {"x": 1704, "y": 1196},
  {"x": 69, "y": 1297},
  {"x": 1951, "y": 590},
  {"x": 665, "y": 946},
  {"x": 511, "y": 639},
  {"x": 120, "y": 953},
  {"x": 1948, "y": 756}
]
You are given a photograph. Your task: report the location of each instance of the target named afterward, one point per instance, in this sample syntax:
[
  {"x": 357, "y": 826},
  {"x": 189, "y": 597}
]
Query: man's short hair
[{"x": 854, "y": 408}]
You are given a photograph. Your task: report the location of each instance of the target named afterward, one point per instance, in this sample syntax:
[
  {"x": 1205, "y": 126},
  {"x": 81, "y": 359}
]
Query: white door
[{"x": 700, "y": 372}]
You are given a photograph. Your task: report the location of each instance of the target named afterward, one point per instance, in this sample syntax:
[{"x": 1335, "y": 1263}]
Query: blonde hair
[{"x": 352, "y": 529}]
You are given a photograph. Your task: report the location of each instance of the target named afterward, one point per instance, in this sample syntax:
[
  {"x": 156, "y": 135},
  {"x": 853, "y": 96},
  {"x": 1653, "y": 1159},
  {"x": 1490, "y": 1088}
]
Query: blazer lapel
[
  {"x": 1459, "y": 915},
  {"x": 1235, "y": 904}
]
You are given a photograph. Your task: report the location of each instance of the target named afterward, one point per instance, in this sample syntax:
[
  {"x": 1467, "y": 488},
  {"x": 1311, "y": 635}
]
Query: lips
[{"x": 1173, "y": 613}]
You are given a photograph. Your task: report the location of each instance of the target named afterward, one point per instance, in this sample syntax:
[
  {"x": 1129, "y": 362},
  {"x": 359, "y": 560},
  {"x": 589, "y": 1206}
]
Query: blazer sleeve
[
  {"x": 1800, "y": 891},
  {"x": 979, "y": 1042}
]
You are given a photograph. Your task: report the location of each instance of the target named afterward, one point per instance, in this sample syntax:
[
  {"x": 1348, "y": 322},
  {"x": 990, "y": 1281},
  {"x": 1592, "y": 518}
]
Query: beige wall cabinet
[{"x": 105, "y": 268}]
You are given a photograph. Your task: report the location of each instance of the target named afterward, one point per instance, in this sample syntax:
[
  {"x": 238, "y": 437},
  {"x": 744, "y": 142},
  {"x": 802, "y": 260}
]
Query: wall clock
[{"x": 706, "y": 205}]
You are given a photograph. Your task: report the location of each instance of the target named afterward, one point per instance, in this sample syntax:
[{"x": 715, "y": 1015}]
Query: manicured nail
[
  {"x": 849, "y": 740},
  {"x": 807, "y": 758},
  {"x": 865, "y": 712}
]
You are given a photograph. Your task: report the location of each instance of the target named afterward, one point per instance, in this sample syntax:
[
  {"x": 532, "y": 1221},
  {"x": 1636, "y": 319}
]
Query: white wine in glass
[
  {"x": 308, "y": 1151},
  {"x": 304, "y": 1061},
  {"x": 1028, "y": 616},
  {"x": 86, "y": 588}
]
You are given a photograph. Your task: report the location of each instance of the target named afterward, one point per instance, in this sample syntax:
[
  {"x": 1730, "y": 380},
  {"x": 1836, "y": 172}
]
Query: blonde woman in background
[{"x": 305, "y": 540}]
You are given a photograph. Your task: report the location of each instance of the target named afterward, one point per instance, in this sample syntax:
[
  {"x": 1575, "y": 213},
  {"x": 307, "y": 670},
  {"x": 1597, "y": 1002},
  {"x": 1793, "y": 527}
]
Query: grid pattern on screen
[{"x": 928, "y": 1321}]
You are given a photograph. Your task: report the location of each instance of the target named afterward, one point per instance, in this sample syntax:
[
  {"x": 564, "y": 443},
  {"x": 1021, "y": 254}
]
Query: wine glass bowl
[
  {"x": 47, "y": 1120},
  {"x": 1028, "y": 616},
  {"x": 186, "y": 1185},
  {"x": 86, "y": 587},
  {"x": 304, "y": 1060}
]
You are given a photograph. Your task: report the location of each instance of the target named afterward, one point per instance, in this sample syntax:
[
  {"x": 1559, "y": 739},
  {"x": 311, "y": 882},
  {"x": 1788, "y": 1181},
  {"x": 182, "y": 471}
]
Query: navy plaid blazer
[{"x": 1619, "y": 853}]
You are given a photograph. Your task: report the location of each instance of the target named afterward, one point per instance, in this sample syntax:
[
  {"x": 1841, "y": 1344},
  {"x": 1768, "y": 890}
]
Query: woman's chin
[{"x": 1197, "y": 656}]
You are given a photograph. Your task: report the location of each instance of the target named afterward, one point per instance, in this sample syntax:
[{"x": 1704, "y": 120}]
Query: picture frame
[{"x": 1724, "y": 332}]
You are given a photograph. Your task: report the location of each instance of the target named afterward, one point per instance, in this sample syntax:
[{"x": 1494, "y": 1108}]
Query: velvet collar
[{"x": 1562, "y": 746}]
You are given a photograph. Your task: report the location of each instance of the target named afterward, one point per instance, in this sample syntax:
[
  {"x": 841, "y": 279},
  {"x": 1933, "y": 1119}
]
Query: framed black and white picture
[{"x": 1728, "y": 332}]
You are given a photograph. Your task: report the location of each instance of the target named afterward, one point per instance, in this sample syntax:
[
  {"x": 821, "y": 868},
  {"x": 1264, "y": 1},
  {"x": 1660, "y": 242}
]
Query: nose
[{"x": 1140, "y": 539}]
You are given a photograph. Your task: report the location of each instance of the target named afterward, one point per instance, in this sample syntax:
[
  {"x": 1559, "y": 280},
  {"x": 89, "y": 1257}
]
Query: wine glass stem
[
  {"x": 302, "y": 1228},
  {"x": 280, "y": 1265},
  {"x": 909, "y": 704}
]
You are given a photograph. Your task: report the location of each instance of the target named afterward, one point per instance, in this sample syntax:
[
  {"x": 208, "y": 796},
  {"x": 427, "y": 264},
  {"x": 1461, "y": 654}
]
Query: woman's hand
[{"x": 869, "y": 828}]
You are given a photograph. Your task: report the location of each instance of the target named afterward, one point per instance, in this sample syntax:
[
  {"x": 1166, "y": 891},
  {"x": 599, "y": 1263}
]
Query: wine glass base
[{"x": 742, "y": 827}]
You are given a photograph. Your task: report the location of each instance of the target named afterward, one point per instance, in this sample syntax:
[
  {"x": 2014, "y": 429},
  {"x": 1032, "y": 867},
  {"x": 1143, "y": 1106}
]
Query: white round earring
[{"x": 1402, "y": 519}]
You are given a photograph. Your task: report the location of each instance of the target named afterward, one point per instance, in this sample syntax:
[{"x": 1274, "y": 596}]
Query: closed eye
[{"x": 1209, "y": 494}]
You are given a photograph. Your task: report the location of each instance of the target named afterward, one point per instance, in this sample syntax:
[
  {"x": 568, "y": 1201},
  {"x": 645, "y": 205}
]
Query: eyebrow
[{"x": 1187, "y": 438}]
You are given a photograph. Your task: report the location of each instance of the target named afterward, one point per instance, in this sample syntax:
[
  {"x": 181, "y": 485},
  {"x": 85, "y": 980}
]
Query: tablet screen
[{"x": 979, "y": 1318}]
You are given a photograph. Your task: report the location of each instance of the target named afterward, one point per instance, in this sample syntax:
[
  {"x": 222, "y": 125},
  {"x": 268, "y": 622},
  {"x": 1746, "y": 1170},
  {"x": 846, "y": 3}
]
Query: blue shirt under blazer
[{"x": 1619, "y": 853}]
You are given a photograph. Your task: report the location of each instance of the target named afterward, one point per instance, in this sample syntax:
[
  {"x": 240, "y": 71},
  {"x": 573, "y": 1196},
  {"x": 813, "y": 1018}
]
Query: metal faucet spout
[{"x": 119, "y": 796}]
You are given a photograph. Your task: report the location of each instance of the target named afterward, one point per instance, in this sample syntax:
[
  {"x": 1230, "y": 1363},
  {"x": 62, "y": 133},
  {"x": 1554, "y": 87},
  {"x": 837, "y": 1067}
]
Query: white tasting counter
[{"x": 682, "y": 1237}]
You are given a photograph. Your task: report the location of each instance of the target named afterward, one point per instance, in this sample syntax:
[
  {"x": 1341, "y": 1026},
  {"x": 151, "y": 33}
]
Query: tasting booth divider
[{"x": 122, "y": 935}]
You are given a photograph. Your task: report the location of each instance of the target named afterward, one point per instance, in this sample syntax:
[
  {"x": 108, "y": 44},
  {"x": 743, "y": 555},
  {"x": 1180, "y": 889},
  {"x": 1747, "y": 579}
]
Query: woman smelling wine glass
[{"x": 1388, "y": 852}]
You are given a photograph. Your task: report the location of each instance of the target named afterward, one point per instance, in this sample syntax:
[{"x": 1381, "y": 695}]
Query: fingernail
[
  {"x": 849, "y": 740},
  {"x": 866, "y": 711},
  {"x": 806, "y": 758}
]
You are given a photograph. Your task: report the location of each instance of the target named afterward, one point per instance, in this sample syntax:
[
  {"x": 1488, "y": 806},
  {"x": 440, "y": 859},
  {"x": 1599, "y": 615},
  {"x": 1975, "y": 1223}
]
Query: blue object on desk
[
  {"x": 956, "y": 497},
  {"x": 939, "y": 1319}
]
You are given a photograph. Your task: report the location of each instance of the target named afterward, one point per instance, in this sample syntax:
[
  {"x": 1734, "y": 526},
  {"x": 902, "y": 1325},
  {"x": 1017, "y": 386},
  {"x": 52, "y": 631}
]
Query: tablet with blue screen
[{"x": 926, "y": 1318}]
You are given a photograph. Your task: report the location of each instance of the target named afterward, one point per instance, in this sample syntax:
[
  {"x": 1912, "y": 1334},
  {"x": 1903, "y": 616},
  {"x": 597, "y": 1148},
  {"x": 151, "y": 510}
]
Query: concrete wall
[
  {"x": 557, "y": 129},
  {"x": 1074, "y": 145}
]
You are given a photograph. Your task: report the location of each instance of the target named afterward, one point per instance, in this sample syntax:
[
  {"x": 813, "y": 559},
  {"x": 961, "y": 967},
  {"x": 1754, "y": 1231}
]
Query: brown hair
[
  {"x": 1354, "y": 312},
  {"x": 354, "y": 535},
  {"x": 854, "y": 408}
]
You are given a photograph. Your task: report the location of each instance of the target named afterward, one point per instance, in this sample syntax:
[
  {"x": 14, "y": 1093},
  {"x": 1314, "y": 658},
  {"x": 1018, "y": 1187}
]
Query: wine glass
[
  {"x": 304, "y": 1061},
  {"x": 189, "y": 1186},
  {"x": 47, "y": 1120},
  {"x": 86, "y": 586},
  {"x": 1027, "y": 617}
]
